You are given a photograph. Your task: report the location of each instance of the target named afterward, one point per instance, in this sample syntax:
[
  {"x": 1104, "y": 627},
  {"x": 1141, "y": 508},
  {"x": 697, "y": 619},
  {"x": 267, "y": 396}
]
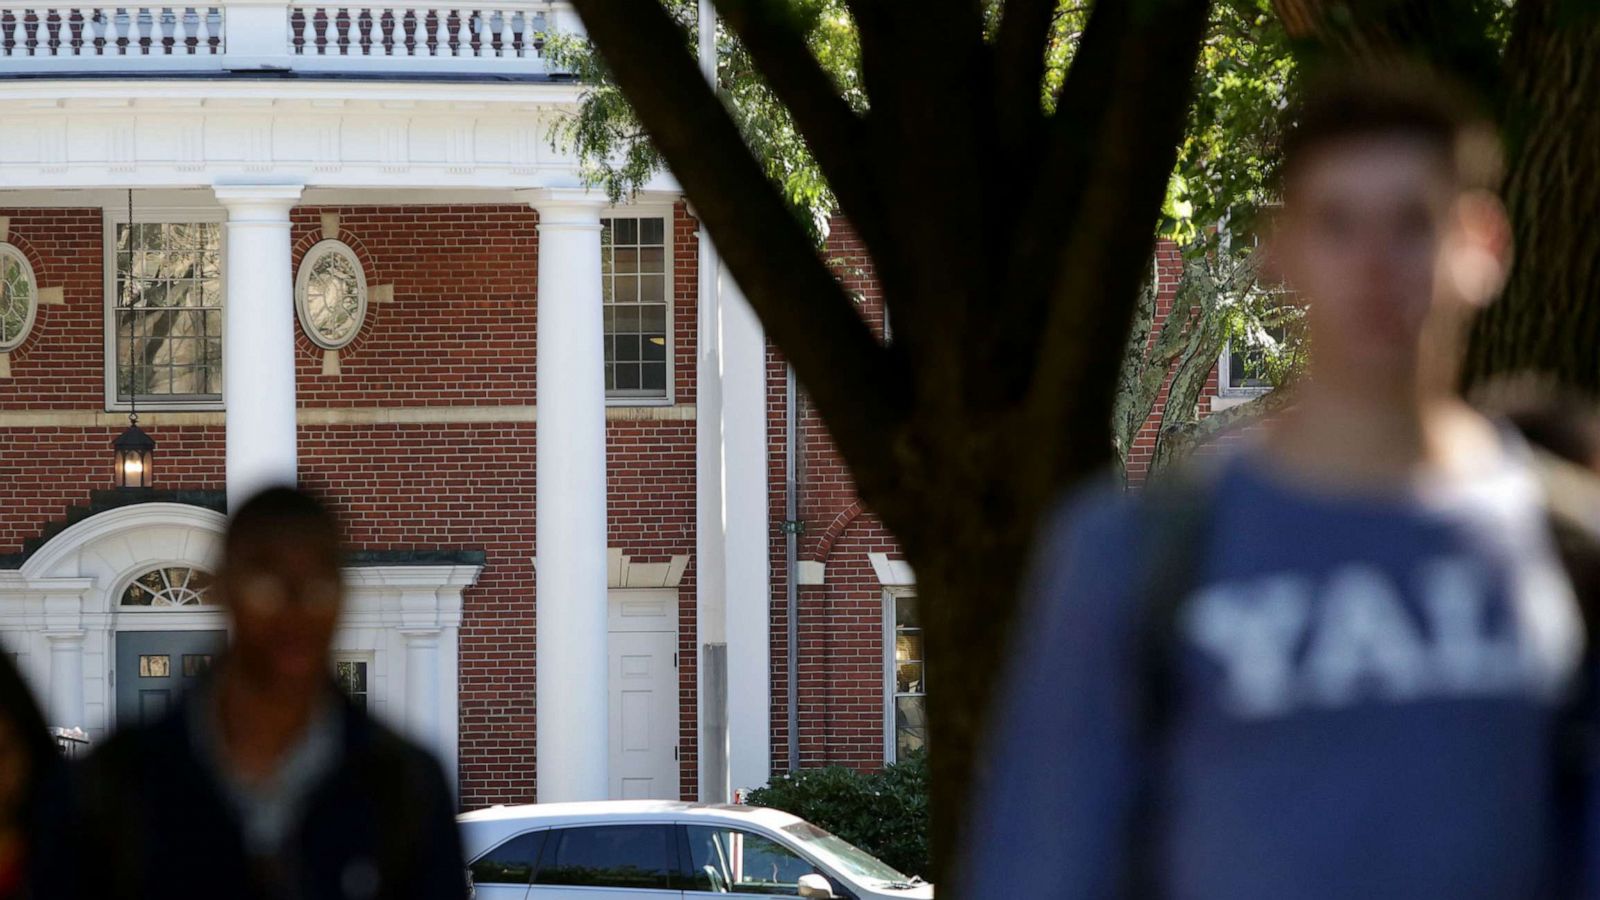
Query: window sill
[
  {"x": 614, "y": 402},
  {"x": 1237, "y": 397},
  {"x": 188, "y": 406}
]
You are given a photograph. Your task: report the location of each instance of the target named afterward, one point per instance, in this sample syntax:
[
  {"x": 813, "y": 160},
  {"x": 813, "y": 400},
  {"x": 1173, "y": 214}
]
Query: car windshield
[{"x": 841, "y": 854}]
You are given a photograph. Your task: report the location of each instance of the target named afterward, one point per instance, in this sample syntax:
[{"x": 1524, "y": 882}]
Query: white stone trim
[
  {"x": 355, "y": 415},
  {"x": 302, "y": 283},
  {"x": 810, "y": 572},
  {"x": 59, "y": 613},
  {"x": 892, "y": 573},
  {"x": 622, "y": 572}
]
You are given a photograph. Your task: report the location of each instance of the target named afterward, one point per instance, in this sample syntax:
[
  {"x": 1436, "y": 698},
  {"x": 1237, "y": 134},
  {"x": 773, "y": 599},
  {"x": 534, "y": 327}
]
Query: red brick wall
[
  {"x": 841, "y": 623},
  {"x": 460, "y": 331}
]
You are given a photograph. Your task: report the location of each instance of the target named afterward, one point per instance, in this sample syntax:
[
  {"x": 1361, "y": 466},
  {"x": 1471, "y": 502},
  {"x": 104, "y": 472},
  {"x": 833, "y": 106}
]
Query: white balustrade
[
  {"x": 70, "y": 31},
  {"x": 417, "y": 31},
  {"x": 394, "y": 36}
]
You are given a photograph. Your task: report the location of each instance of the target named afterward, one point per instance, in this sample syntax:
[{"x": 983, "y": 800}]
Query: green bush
[{"x": 884, "y": 813}]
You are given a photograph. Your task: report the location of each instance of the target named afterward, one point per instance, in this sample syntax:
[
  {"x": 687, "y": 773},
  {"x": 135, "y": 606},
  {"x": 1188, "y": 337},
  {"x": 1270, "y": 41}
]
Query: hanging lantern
[{"x": 135, "y": 453}]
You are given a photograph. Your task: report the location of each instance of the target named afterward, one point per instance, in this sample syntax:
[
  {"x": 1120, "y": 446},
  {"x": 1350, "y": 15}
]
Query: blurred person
[
  {"x": 29, "y": 776},
  {"x": 1341, "y": 663},
  {"x": 265, "y": 783}
]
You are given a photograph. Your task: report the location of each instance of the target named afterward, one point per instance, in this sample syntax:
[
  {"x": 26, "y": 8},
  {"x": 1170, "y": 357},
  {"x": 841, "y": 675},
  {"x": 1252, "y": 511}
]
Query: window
[
  {"x": 351, "y": 674},
  {"x": 169, "y": 586},
  {"x": 1242, "y": 371},
  {"x": 633, "y": 265},
  {"x": 19, "y": 298},
  {"x": 167, "y": 299},
  {"x": 330, "y": 294},
  {"x": 512, "y": 862},
  {"x": 626, "y": 856},
  {"x": 909, "y": 695},
  {"x": 726, "y": 860}
]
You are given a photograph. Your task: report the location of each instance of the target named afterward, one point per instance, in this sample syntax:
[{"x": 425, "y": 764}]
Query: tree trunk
[
  {"x": 1549, "y": 318},
  {"x": 1009, "y": 245}
]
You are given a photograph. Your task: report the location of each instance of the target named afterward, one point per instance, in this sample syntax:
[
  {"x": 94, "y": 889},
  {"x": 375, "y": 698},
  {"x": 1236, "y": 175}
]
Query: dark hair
[
  {"x": 1393, "y": 98},
  {"x": 283, "y": 512},
  {"x": 28, "y": 726}
]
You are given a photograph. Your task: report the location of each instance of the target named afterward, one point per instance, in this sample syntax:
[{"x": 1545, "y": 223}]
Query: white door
[{"x": 643, "y": 686}]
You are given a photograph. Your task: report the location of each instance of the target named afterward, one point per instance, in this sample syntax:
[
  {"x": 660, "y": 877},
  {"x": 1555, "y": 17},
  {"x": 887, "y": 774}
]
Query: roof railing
[{"x": 398, "y": 36}]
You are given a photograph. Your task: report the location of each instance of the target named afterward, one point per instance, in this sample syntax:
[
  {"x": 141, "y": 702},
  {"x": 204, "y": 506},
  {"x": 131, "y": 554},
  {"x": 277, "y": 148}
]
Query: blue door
[{"x": 155, "y": 667}]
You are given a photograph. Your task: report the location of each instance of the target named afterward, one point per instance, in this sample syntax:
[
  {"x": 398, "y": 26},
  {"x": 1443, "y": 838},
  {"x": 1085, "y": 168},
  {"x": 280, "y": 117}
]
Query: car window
[
  {"x": 512, "y": 862},
  {"x": 729, "y": 860},
  {"x": 632, "y": 856}
]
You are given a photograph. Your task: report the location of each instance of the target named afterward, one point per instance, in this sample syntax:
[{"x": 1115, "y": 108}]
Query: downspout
[{"x": 791, "y": 546}]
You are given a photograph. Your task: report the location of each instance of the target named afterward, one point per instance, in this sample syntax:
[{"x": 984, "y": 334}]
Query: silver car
[{"x": 657, "y": 850}]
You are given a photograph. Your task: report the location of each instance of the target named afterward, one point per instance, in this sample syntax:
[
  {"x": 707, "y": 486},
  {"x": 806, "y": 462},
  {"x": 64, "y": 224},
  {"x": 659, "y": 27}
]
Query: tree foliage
[
  {"x": 616, "y": 153},
  {"x": 884, "y": 813}
]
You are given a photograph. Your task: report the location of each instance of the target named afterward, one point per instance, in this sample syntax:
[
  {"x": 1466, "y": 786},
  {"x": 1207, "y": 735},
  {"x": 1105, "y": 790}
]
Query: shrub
[{"x": 884, "y": 813}]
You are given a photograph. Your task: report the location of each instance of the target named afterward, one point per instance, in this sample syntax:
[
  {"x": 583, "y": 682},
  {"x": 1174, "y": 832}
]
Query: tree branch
[
  {"x": 1096, "y": 265},
  {"x": 1019, "y": 72},
  {"x": 847, "y": 373},
  {"x": 832, "y": 130},
  {"x": 1030, "y": 248}
]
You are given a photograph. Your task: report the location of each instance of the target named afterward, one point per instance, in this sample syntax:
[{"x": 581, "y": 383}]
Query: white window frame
[
  {"x": 663, "y": 211},
  {"x": 302, "y": 281},
  {"x": 12, "y": 251},
  {"x": 113, "y": 217},
  {"x": 892, "y": 594},
  {"x": 1225, "y": 387},
  {"x": 369, "y": 659}
]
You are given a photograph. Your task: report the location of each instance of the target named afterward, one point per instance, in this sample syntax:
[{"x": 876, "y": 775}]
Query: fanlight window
[
  {"x": 331, "y": 294},
  {"x": 19, "y": 297},
  {"x": 169, "y": 586}
]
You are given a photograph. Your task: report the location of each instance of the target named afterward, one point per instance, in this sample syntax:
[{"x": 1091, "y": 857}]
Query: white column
[
  {"x": 422, "y": 684},
  {"x": 748, "y": 582},
  {"x": 65, "y": 705},
  {"x": 258, "y": 338},
  {"x": 570, "y": 497},
  {"x": 711, "y": 535}
]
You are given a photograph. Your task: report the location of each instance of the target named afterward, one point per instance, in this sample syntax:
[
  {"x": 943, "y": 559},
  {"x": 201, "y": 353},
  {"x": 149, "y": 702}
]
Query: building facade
[{"x": 339, "y": 246}]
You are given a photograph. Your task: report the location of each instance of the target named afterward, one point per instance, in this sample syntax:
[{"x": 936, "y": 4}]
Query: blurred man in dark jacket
[{"x": 265, "y": 783}]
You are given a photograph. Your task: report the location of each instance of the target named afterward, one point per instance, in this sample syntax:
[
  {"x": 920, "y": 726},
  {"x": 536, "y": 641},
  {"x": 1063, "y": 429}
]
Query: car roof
[{"x": 599, "y": 811}]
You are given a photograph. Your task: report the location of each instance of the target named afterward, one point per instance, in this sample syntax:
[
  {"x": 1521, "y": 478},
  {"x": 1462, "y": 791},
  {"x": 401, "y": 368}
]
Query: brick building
[{"x": 336, "y": 246}]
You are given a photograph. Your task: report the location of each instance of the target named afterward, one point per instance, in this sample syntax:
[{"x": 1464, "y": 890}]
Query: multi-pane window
[
  {"x": 909, "y": 697},
  {"x": 19, "y": 297},
  {"x": 633, "y": 262},
  {"x": 168, "y": 299},
  {"x": 1245, "y": 368},
  {"x": 170, "y": 586},
  {"x": 351, "y": 674}
]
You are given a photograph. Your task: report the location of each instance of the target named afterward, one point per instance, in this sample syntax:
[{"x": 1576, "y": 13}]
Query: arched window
[
  {"x": 19, "y": 297},
  {"x": 330, "y": 293},
  {"x": 169, "y": 586}
]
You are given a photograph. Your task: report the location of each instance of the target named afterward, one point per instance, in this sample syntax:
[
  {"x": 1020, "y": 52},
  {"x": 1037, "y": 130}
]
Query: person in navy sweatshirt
[{"x": 1339, "y": 663}]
